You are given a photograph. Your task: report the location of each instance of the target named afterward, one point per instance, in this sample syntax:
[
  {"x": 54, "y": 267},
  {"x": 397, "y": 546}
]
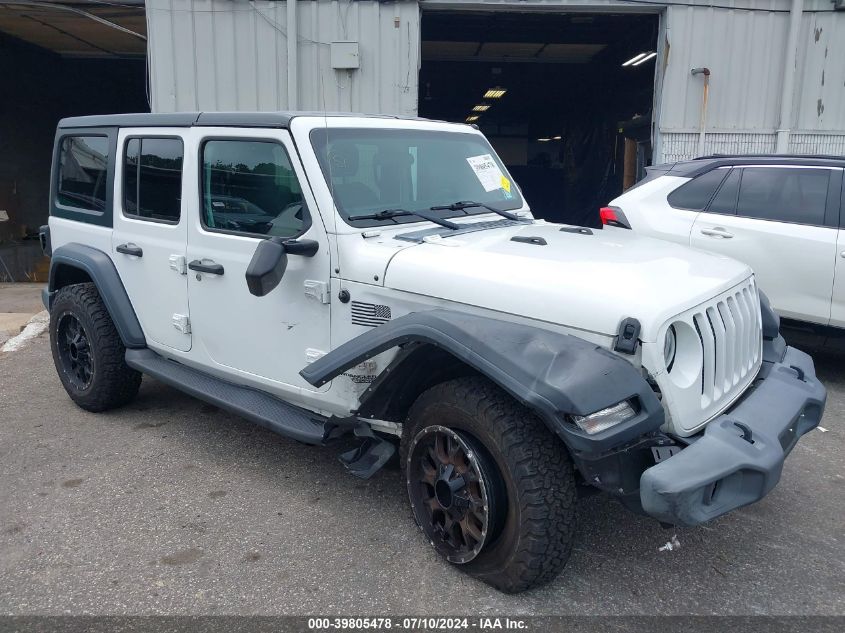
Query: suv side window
[
  {"x": 83, "y": 167},
  {"x": 725, "y": 199},
  {"x": 249, "y": 187},
  {"x": 152, "y": 179},
  {"x": 784, "y": 194},
  {"x": 695, "y": 194}
]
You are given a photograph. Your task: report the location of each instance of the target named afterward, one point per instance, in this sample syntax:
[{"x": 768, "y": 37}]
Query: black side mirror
[{"x": 267, "y": 266}]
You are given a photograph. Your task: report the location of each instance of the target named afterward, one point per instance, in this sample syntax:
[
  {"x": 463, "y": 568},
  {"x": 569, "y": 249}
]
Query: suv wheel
[
  {"x": 490, "y": 486},
  {"x": 88, "y": 352}
]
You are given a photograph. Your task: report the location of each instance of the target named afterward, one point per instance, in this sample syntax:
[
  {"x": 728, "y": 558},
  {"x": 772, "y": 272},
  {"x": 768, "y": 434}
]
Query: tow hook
[
  {"x": 798, "y": 371},
  {"x": 746, "y": 432}
]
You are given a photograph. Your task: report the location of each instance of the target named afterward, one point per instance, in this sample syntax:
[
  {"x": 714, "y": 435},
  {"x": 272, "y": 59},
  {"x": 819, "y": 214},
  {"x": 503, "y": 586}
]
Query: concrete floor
[
  {"x": 170, "y": 506},
  {"x": 18, "y": 303}
]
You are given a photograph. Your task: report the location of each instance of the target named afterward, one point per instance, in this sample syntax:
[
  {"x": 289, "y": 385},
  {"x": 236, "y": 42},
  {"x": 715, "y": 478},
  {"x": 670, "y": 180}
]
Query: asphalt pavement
[{"x": 171, "y": 506}]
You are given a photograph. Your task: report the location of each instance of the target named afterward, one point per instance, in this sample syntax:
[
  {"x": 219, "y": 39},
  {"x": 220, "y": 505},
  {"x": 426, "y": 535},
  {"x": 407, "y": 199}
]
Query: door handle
[
  {"x": 207, "y": 266},
  {"x": 130, "y": 249},
  {"x": 717, "y": 231}
]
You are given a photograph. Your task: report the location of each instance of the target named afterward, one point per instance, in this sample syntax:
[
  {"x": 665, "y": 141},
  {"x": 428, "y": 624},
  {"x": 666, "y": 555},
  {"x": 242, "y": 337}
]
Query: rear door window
[
  {"x": 83, "y": 168},
  {"x": 695, "y": 194},
  {"x": 152, "y": 179},
  {"x": 784, "y": 194}
]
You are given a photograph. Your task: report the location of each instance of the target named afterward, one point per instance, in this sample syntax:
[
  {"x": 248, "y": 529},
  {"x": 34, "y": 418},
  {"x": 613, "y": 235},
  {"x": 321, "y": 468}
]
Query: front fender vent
[{"x": 369, "y": 314}]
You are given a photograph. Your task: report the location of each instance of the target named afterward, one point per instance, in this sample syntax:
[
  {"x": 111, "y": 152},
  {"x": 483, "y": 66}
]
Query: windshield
[{"x": 370, "y": 170}]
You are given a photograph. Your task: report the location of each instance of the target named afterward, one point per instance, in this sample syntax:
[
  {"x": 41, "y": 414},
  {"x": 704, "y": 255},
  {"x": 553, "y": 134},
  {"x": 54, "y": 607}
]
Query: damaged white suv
[{"x": 384, "y": 278}]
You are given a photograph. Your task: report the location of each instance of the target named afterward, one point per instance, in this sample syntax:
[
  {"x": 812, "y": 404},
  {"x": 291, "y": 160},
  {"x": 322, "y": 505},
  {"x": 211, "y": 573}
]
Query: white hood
[{"x": 590, "y": 282}]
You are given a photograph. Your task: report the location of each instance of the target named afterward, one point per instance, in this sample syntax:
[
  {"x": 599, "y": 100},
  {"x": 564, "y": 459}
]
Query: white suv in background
[{"x": 779, "y": 214}]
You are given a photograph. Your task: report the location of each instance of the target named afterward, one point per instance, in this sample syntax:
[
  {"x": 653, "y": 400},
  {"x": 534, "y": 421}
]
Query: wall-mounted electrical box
[{"x": 345, "y": 55}]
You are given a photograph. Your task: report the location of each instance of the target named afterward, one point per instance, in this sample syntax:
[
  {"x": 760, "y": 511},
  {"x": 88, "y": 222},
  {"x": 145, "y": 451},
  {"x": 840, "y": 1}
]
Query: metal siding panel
[
  {"x": 820, "y": 85},
  {"x": 206, "y": 63},
  {"x": 184, "y": 70},
  {"x": 740, "y": 48},
  {"x": 233, "y": 55}
]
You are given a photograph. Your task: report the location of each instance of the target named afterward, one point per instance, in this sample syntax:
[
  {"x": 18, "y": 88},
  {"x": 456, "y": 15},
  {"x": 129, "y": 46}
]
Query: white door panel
[
  {"x": 271, "y": 336},
  {"x": 158, "y": 291},
  {"x": 837, "y": 307},
  {"x": 793, "y": 263}
]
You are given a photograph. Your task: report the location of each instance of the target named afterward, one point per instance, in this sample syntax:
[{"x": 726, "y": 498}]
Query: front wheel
[{"x": 490, "y": 486}]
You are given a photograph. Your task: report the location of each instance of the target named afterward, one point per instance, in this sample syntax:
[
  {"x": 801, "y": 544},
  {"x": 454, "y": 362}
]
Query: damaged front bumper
[{"x": 739, "y": 457}]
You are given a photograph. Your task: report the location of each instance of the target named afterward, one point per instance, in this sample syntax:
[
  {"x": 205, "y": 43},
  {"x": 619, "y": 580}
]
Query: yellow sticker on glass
[{"x": 506, "y": 184}]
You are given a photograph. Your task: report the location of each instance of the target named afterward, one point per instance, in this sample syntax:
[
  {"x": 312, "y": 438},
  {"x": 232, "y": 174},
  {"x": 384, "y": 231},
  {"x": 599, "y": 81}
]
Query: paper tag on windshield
[{"x": 487, "y": 172}]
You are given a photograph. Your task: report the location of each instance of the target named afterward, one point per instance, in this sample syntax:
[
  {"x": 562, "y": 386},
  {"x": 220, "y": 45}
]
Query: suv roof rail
[{"x": 764, "y": 155}]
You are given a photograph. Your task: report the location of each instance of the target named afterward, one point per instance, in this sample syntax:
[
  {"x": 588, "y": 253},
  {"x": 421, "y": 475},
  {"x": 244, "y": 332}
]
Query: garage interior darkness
[
  {"x": 56, "y": 61},
  {"x": 569, "y": 103}
]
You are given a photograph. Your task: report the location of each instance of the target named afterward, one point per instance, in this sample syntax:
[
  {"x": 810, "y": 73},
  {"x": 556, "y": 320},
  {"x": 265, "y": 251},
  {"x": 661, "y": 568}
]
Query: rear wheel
[
  {"x": 88, "y": 352},
  {"x": 490, "y": 486}
]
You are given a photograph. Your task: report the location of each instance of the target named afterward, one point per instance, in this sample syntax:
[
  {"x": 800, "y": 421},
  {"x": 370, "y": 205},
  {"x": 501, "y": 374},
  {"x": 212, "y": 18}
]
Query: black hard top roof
[
  {"x": 698, "y": 166},
  {"x": 206, "y": 119}
]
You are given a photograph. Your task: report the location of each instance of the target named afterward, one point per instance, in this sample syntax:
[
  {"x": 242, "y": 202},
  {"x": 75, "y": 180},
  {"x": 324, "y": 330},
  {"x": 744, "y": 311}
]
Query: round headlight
[{"x": 669, "y": 348}]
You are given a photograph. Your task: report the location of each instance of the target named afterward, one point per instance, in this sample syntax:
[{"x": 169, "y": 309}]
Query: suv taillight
[{"x": 613, "y": 216}]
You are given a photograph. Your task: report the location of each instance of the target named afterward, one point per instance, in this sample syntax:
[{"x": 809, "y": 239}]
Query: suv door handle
[
  {"x": 130, "y": 249},
  {"x": 206, "y": 267},
  {"x": 717, "y": 231}
]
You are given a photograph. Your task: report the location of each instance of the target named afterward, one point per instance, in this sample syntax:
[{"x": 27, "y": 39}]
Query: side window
[
  {"x": 250, "y": 187},
  {"x": 152, "y": 178},
  {"x": 83, "y": 166},
  {"x": 695, "y": 194},
  {"x": 784, "y": 194},
  {"x": 725, "y": 199}
]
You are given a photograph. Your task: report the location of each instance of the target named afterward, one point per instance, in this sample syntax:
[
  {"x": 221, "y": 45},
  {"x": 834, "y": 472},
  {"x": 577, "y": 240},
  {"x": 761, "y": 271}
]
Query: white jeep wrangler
[{"x": 324, "y": 275}]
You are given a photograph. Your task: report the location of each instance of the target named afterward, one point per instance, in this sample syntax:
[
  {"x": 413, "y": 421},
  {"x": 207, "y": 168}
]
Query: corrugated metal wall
[
  {"x": 232, "y": 55},
  {"x": 745, "y": 53}
]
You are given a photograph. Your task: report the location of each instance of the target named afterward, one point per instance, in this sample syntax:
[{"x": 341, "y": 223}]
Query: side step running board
[{"x": 256, "y": 406}]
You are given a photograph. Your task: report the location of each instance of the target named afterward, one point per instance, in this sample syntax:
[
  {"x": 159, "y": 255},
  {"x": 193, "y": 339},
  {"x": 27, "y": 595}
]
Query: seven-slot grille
[
  {"x": 731, "y": 339},
  {"x": 369, "y": 314}
]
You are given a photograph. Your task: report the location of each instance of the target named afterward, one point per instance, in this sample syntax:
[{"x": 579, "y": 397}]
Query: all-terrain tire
[
  {"x": 111, "y": 382},
  {"x": 536, "y": 530}
]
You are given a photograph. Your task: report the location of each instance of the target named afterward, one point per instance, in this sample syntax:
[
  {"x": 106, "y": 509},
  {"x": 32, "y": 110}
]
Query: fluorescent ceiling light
[
  {"x": 644, "y": 59},
  {"x": 635, "y": 58},
  {"x": 481, "y": 107},
  {"x": 495, "y": 93},
  {"x": 544, "y": 140},
  {"x": 555, "y": 138},
  {"x": 472, "y": 118}
]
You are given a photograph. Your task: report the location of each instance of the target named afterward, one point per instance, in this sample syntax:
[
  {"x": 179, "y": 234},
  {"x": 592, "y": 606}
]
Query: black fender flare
[
  {"x": 99, "y": 267},
  {"x": 556, "y": 375}
]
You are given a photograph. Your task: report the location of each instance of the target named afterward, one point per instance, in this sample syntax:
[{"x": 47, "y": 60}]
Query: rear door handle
[
  {"x": 206, "y": 266},
  {"x": 717, "y": 231},
  {"x": 130, "y": 249}
]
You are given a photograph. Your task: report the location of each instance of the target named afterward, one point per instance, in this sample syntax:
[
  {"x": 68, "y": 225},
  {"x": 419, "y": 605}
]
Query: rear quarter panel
[{"x": 649, "y": 213}]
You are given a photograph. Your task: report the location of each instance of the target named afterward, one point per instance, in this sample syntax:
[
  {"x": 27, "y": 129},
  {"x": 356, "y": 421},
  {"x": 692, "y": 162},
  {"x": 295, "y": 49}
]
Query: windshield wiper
[
  {"x": 389, "y": 214},
  {"x": 468, "y": 204}
]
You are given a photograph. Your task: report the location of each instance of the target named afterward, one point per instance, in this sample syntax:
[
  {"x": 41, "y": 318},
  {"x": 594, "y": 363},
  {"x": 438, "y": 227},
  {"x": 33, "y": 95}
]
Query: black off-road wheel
[
  {"x": 88, "y": 352},
  {"x": 492, "y": 489}
]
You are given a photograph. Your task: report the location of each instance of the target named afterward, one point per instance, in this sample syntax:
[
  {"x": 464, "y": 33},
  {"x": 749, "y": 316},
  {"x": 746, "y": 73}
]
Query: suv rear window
[
  {"x": 784, "y": 194},
  {"x": 152, "y": 178},
  {"x": 83, "y": 166},
  {"x": 695, "y": 194}
]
